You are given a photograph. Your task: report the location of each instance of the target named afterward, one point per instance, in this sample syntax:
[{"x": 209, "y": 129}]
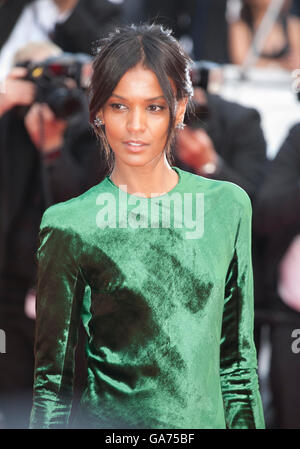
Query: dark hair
[
  {"x": 156, "y": 49},
  {"x": 247, "y": 14}
]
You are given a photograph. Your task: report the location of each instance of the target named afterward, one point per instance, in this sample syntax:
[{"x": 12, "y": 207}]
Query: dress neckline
[{"x": 166, "y": 194}]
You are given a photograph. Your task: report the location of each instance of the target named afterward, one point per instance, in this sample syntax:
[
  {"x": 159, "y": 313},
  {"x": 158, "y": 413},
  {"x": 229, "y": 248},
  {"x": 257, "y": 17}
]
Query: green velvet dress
[{"x": 164, "y": 289}]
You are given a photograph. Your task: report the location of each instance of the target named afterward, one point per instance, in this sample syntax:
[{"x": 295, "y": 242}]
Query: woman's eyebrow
[{"x": 160, "y": 97}]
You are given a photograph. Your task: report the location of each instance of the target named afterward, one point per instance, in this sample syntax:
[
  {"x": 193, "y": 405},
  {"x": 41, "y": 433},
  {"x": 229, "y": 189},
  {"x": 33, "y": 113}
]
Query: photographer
[{"x": 44, "y": 159}]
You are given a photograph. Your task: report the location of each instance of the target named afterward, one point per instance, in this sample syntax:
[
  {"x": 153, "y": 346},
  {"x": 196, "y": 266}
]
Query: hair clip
[{"x": 98, "y": 122}]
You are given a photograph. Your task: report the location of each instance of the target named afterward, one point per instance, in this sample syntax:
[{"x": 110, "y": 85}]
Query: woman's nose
[{"x": 136, "y": 121}]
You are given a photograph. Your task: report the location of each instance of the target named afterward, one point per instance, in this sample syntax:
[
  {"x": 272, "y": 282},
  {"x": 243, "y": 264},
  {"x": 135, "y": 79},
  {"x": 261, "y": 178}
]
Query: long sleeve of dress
[
  {"x": 238, "y": 363},
  {"x": 59, "y": 296}
]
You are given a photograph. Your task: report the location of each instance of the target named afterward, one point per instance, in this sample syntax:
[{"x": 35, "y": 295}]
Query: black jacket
[
  {"x": 277, "y": 217},
  {"x": 90, "y": 20}
]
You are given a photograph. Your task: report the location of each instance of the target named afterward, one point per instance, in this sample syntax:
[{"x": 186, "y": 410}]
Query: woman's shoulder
[
  {"x": 215, "y": 187},
  {"x": 73, "y": 212}
]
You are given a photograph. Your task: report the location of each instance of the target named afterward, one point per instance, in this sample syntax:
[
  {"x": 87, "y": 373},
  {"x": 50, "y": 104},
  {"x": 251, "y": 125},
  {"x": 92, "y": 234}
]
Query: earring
[
  {"x": 180, "y": 125},
  {"x": 98, "y": 122}
]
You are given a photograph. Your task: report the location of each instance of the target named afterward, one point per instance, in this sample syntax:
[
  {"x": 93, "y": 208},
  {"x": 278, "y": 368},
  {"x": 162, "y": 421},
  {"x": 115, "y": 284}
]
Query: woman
[
  {"x": 166, "y": 302},
  {"x": 281, "y": 47}
]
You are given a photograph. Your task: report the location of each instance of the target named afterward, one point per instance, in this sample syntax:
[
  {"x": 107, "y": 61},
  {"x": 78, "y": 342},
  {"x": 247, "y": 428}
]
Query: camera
[{"x": 59, "y": 83}]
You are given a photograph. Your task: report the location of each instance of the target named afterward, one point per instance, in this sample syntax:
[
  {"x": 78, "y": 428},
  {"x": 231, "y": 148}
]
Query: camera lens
[{"x": 64, "y": 102}]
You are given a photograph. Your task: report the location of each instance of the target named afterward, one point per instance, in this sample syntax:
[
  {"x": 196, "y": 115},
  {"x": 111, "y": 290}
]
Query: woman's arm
[
  {"x": 293, "y": 24},
  {"x": 60, "y": 291},
  {"x": 239, "y": 41},
  {"x": 238, "y": 362}
]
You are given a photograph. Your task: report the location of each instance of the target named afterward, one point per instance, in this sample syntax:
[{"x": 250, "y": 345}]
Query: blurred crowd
[{"x": 49, "y": 154}]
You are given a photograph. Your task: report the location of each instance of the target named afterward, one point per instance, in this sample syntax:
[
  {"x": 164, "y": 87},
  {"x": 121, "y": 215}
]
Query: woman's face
[{"x": 136, "y": 118}]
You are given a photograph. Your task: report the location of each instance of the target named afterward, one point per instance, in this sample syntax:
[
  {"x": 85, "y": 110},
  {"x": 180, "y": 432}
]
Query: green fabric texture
[{"x": 164, "y": 288}]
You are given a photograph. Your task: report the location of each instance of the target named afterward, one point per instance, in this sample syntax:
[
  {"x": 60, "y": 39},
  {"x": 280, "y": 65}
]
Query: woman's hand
[{"x": 45, "y": 130}]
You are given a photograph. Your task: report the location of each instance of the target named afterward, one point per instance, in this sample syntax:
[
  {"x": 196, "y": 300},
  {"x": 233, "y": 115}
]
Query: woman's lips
[{"x": 135, "y": 145}]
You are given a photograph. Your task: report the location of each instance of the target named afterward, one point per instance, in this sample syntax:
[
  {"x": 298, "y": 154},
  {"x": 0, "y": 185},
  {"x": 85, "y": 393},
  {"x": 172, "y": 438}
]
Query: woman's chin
[{"x": 137, "y": 160}]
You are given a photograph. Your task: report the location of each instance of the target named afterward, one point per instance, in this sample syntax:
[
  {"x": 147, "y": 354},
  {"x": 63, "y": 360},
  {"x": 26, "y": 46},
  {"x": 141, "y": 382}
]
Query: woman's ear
[
  {"x": 181, "y": 108},
  {"x": 100, "y": 114}
]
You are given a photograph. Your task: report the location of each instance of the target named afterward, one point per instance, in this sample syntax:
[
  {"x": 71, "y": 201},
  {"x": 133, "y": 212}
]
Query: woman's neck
[{"x": 147, "y": 181}]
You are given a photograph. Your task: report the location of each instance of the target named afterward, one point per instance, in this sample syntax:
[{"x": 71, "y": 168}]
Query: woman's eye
[
  {"x": 118, "y": 106},
  {"x": 155, "y": 108}
]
